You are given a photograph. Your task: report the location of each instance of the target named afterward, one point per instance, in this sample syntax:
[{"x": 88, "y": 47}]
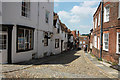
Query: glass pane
[
  {"x": 26, "y": 39},
  {"x": 20, "y": 39},
  {"x": 31, "y": 39},
  {"x": 119, "y": 48}
]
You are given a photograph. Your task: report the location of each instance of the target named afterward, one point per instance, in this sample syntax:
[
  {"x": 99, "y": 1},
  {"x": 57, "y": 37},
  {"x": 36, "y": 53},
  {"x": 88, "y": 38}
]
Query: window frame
[
  {"x": 106, "y": 14},
  {"x": 32, "y": 43},
  {"x": 99, "y": 19},
  {"x": 25, "y": 10},
  {"x": 47, "y": 15},
  {"x": 105, "y": 41},
  {"x": 57, "y": 41},
  {"x": 117, "y": 45},
  {"x": 46, "y": 38},
  {"x": 95, "y": 41}
]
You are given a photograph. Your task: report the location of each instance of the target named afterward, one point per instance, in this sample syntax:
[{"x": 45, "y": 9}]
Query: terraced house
[
  {"x": 26, "y": 30},
  {"x": 111, "y": 31}
]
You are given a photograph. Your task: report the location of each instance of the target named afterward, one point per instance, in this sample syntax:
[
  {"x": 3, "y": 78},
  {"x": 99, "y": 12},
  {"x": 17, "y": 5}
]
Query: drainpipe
[{"x": 101, "y": 34}]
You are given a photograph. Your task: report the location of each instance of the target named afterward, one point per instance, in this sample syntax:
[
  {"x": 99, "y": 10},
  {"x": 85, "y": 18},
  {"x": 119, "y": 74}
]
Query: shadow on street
[{"x": 62, "y": 58}]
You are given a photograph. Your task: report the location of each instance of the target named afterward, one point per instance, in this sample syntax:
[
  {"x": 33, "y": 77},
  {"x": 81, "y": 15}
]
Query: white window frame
[
  {"x": 95, "y": 41},
  {"x": 98, "y": 42},
  {"x": 119, "y": 10},
  {"x": 105, "y": 41},
  {"x": 106, "y": 14},
  {"x": 99, "y": 19},
  {"x": 117, "y": 47},
  {"x": 95, "y": 22}
]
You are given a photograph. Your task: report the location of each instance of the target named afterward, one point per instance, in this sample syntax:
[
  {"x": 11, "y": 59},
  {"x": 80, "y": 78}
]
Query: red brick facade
[
  {"x": 111, "y": 27},
  {"x": 83, "y": 41}
]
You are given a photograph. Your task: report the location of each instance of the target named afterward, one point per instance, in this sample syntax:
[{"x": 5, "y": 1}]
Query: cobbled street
[{"x": 72, "y": 64}]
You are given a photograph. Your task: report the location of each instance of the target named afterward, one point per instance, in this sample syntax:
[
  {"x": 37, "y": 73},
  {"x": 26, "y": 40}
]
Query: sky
[{"x": 77, "y": 15}]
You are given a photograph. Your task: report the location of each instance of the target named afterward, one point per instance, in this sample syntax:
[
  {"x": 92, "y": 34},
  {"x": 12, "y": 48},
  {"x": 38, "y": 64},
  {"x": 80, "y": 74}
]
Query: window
[
  {"x": 95, "y": 22},
  {"x": 80, "y": 42},
  {"x": 118, "y": 43},
  {"x": 95, "y": 41},
  {"x": 3, "y": 42},
  {"x": 119, "y": 10},
  {"x": 99, "y": 19},
  {"x": 26, "y": 8},
  {"x": 58, "y": 29},
  {"x": 46, "y": 39},
  {"x": 47, "y": 17},
  {"x": 85, "y": 38},
  {"x": 25, "y": 39},
  {"x": 83, "y": 42},
  {"x": 105, "y": 41},
  {"x": 106, "y": 13},
  {"x": 56, "y": 43},
  {"x": 98, "y": 42}
]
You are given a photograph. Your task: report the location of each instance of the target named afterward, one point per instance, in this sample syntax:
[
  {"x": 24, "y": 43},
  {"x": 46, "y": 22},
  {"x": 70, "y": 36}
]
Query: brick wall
[{"x": 110, "y": 27}]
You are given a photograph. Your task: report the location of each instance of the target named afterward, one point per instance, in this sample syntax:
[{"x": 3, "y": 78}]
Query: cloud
[{"x": 79, "y": 17}]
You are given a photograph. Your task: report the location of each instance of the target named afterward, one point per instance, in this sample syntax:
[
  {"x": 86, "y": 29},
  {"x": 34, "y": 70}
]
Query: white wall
[
  {"x": 12, "y": 15},
  {"x": 56, "y": 36},
  {"x": 43, "y": 26}
]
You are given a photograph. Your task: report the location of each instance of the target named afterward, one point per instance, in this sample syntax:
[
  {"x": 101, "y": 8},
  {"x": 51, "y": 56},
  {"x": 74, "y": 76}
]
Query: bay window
[
  {"x": 24, "y": 39},
  {"x": 105, "y": 41}
]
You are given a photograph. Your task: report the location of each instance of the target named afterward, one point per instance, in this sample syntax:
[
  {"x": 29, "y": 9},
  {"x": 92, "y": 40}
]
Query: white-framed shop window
[{"x": 105, "y": 41}]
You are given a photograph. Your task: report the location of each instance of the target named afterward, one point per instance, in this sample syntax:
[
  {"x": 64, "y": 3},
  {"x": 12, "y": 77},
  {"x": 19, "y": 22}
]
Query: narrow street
[{"x": 71, "y": 64}]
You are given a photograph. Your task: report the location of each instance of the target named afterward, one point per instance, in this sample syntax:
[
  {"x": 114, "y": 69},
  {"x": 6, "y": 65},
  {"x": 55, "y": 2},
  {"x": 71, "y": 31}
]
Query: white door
[{"x": 3, "y": 47}]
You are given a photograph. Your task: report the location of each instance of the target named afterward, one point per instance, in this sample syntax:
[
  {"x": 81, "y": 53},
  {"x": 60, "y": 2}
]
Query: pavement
[
  {"x": 103, "y": 66},
  {"x": 71, "y": 64}
]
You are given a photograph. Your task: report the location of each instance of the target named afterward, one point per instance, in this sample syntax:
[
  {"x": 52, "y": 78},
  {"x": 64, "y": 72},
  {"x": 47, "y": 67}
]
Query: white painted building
[
  {"x": 26, "y": 30},
  {"x": 60, "y": 36}
]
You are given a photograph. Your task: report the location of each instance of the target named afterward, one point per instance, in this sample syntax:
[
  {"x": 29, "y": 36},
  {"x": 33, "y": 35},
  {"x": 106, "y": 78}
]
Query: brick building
[
  {"x": 111, "y": 31},
  {"x": 83, "y": 41}
]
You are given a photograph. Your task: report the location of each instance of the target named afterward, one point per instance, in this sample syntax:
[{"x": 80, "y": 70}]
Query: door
[{"x": 3, "y": 47}]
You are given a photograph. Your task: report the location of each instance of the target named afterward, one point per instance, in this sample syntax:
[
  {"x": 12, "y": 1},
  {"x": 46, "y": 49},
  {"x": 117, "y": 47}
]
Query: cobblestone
[{"x": 68, "y": 65}]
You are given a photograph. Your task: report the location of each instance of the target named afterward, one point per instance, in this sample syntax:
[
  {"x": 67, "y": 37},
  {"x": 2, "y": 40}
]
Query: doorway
[{"x": 3, "y": 47}]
